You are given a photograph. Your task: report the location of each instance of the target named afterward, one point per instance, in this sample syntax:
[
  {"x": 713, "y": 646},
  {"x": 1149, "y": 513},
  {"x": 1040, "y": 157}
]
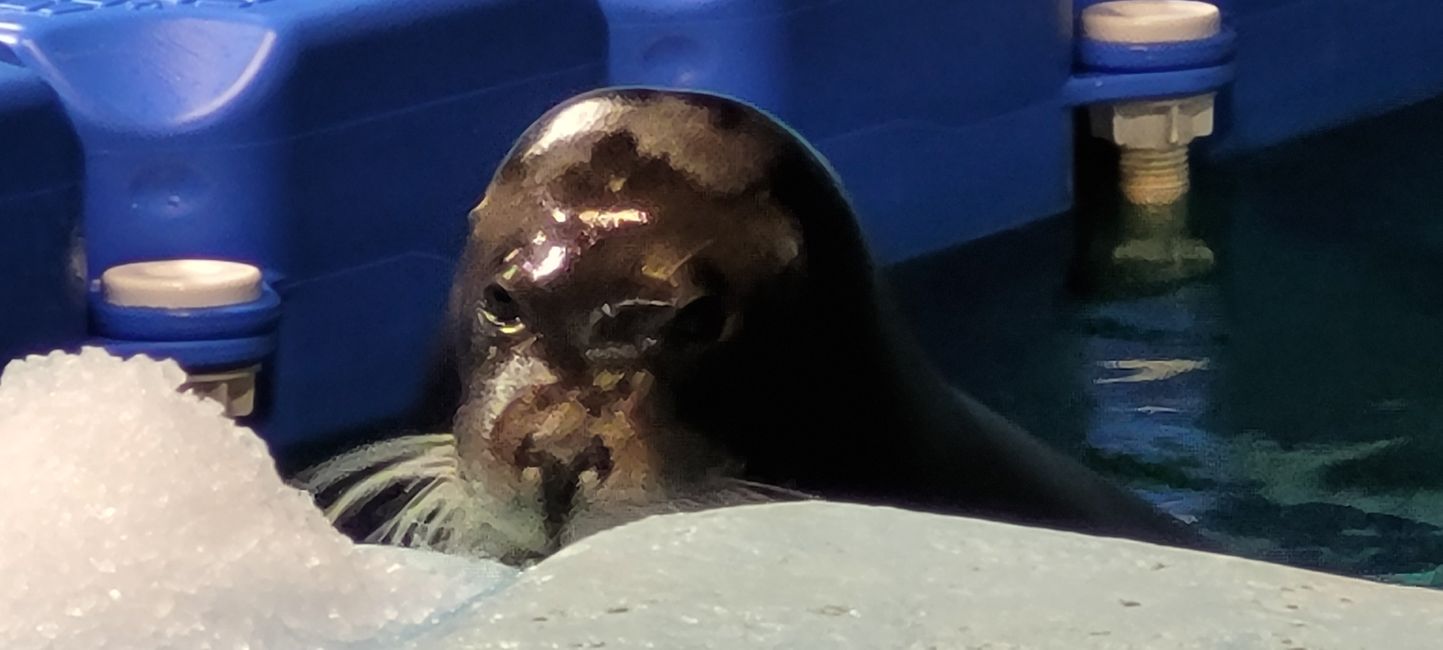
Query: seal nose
[
  {"x": 562, "y": 458},
  {"x": 550, "y": 429},
  {"x": 560, "y": 439},
  {"x": 564, "y": 455}
]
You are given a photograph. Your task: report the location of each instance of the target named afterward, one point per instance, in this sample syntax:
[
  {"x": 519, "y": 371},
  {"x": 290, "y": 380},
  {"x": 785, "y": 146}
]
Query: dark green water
[{"x": 1290, "y": 400}]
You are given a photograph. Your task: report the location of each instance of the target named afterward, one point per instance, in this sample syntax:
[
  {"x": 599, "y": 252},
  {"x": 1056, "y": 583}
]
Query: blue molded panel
[
  {"x": 1304, "y": 66},
  {"x": 944, "y": 118},
  {"x": 336, "y": 143},
  {"x": 42, "y": 305},
  {"x": 1308, "y": 66},
  {"x": 339, "y": 143}
]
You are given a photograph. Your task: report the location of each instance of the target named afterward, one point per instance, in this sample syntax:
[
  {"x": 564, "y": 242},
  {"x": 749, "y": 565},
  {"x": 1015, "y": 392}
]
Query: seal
[{"x": 666, "y": 303}]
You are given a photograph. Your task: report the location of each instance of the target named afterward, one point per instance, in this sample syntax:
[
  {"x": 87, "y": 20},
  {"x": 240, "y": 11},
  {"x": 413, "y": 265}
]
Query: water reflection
[{"x": 1283, "y": 389}]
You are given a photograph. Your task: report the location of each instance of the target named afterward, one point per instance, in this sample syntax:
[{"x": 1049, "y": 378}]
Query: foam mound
[{"x": 137, "y": 516}]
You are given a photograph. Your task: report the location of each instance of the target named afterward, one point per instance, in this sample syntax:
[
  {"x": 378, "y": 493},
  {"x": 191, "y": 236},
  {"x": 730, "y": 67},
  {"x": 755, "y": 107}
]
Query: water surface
[{"x": 1290, "y": 401}]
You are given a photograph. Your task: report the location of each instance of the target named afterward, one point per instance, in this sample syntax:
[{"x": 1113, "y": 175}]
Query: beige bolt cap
[{"x": 181, "y": 284}]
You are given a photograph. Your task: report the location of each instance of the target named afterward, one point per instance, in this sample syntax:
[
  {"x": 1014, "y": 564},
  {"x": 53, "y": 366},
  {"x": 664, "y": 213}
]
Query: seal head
[
  {"x": 622, "y": 247},
  {"x": 665, "y": 303}
]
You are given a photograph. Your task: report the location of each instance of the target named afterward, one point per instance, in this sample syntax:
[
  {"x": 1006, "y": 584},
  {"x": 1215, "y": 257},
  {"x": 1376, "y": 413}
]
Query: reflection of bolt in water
[
  {"x": 1308, "y": 429},
  {"x": 1154, "y": 247},
  {"x": 1149, "y": 335},
  {"x": 1147, "y": 369},
  {"x": 1269, "y": 431}
]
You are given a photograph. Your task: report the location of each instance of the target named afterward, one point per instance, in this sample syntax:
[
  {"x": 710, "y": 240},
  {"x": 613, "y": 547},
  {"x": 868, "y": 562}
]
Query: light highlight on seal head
[
  {"x": 555, "y": 257},
  {"x": 611, "y": 220},
  {"x": 572, "y": 120},
  {"x": 662, "y": 126}
]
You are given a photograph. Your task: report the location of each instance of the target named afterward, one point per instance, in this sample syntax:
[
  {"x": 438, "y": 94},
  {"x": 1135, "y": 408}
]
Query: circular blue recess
[
  {"x": 154, "y": 324},
  {"x": 196, "y": 356},
  {"x": 1156, "y": 57}
]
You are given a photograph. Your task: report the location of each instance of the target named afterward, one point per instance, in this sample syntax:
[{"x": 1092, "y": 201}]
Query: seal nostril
[
  {"x": 547, "y": 397},
  {"x": 596, "y": 403},
  {"x": 597, "y": 457},
  {"x": 628, "y": 324},
  {"x": 526, "y": 454},
  {"x": 561, "y": 481},
  {"x": 701, "y": 321}
]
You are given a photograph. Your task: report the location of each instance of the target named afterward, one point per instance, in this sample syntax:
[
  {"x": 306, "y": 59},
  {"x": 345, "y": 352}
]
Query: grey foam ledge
[{"x": 821, "y": 575}]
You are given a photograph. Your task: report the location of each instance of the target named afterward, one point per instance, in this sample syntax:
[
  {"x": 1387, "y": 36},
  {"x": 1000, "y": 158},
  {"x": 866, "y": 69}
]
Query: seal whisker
[
  {"x": 431, "y": 510},
  {"x": 388, "y": 531},
  {"x": 420, "y": 530},
  {"x": 328, "y": 474},
  {"x": 450, "y": 515},
  {"x": 767, "y": 489},
  {"x": 374, "y": 484},
  {"x": 433, "y": 520},
  {"x": 441, "y": 529}
]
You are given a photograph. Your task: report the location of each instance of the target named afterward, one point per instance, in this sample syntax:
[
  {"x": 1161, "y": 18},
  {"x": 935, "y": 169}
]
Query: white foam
[{"x": 135, "y": 516}]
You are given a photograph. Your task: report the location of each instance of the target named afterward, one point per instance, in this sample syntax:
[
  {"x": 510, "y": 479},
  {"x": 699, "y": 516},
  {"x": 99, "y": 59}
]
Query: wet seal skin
[{"x": 665, "y": 304}]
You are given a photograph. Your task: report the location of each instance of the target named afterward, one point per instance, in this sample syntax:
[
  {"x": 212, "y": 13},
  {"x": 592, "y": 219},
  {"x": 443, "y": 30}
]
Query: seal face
[
  {"x": 619, "y": 246},
  {"x": 665, "y": 304}
]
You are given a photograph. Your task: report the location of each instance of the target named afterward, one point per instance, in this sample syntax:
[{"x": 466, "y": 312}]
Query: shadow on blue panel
[{"x": 41, "y": 296}]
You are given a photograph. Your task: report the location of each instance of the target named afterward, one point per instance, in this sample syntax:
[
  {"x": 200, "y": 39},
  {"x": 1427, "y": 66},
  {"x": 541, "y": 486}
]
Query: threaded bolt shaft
[{"x": 1154, "y": 176}]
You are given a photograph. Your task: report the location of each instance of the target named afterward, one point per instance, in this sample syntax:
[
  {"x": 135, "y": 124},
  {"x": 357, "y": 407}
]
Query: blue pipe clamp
[
  {"x": 1111, "y": 72},
  {"x": 200, "y": 338}
]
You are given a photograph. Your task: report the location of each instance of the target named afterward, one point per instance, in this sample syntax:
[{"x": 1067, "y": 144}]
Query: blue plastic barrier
[
  {"x": 1304, "y": 66},
  {"x": 338, "y": 143},
  {"x": 335, "y": 143},
  {"x": 943, "y": 117},
  {"x": 41, "y": 298}
]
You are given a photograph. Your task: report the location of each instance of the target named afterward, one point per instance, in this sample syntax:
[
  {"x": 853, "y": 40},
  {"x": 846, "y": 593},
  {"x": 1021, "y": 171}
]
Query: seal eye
[
  {"x": 700, "y": 321},
  {"x": 501, "y": 310}
]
